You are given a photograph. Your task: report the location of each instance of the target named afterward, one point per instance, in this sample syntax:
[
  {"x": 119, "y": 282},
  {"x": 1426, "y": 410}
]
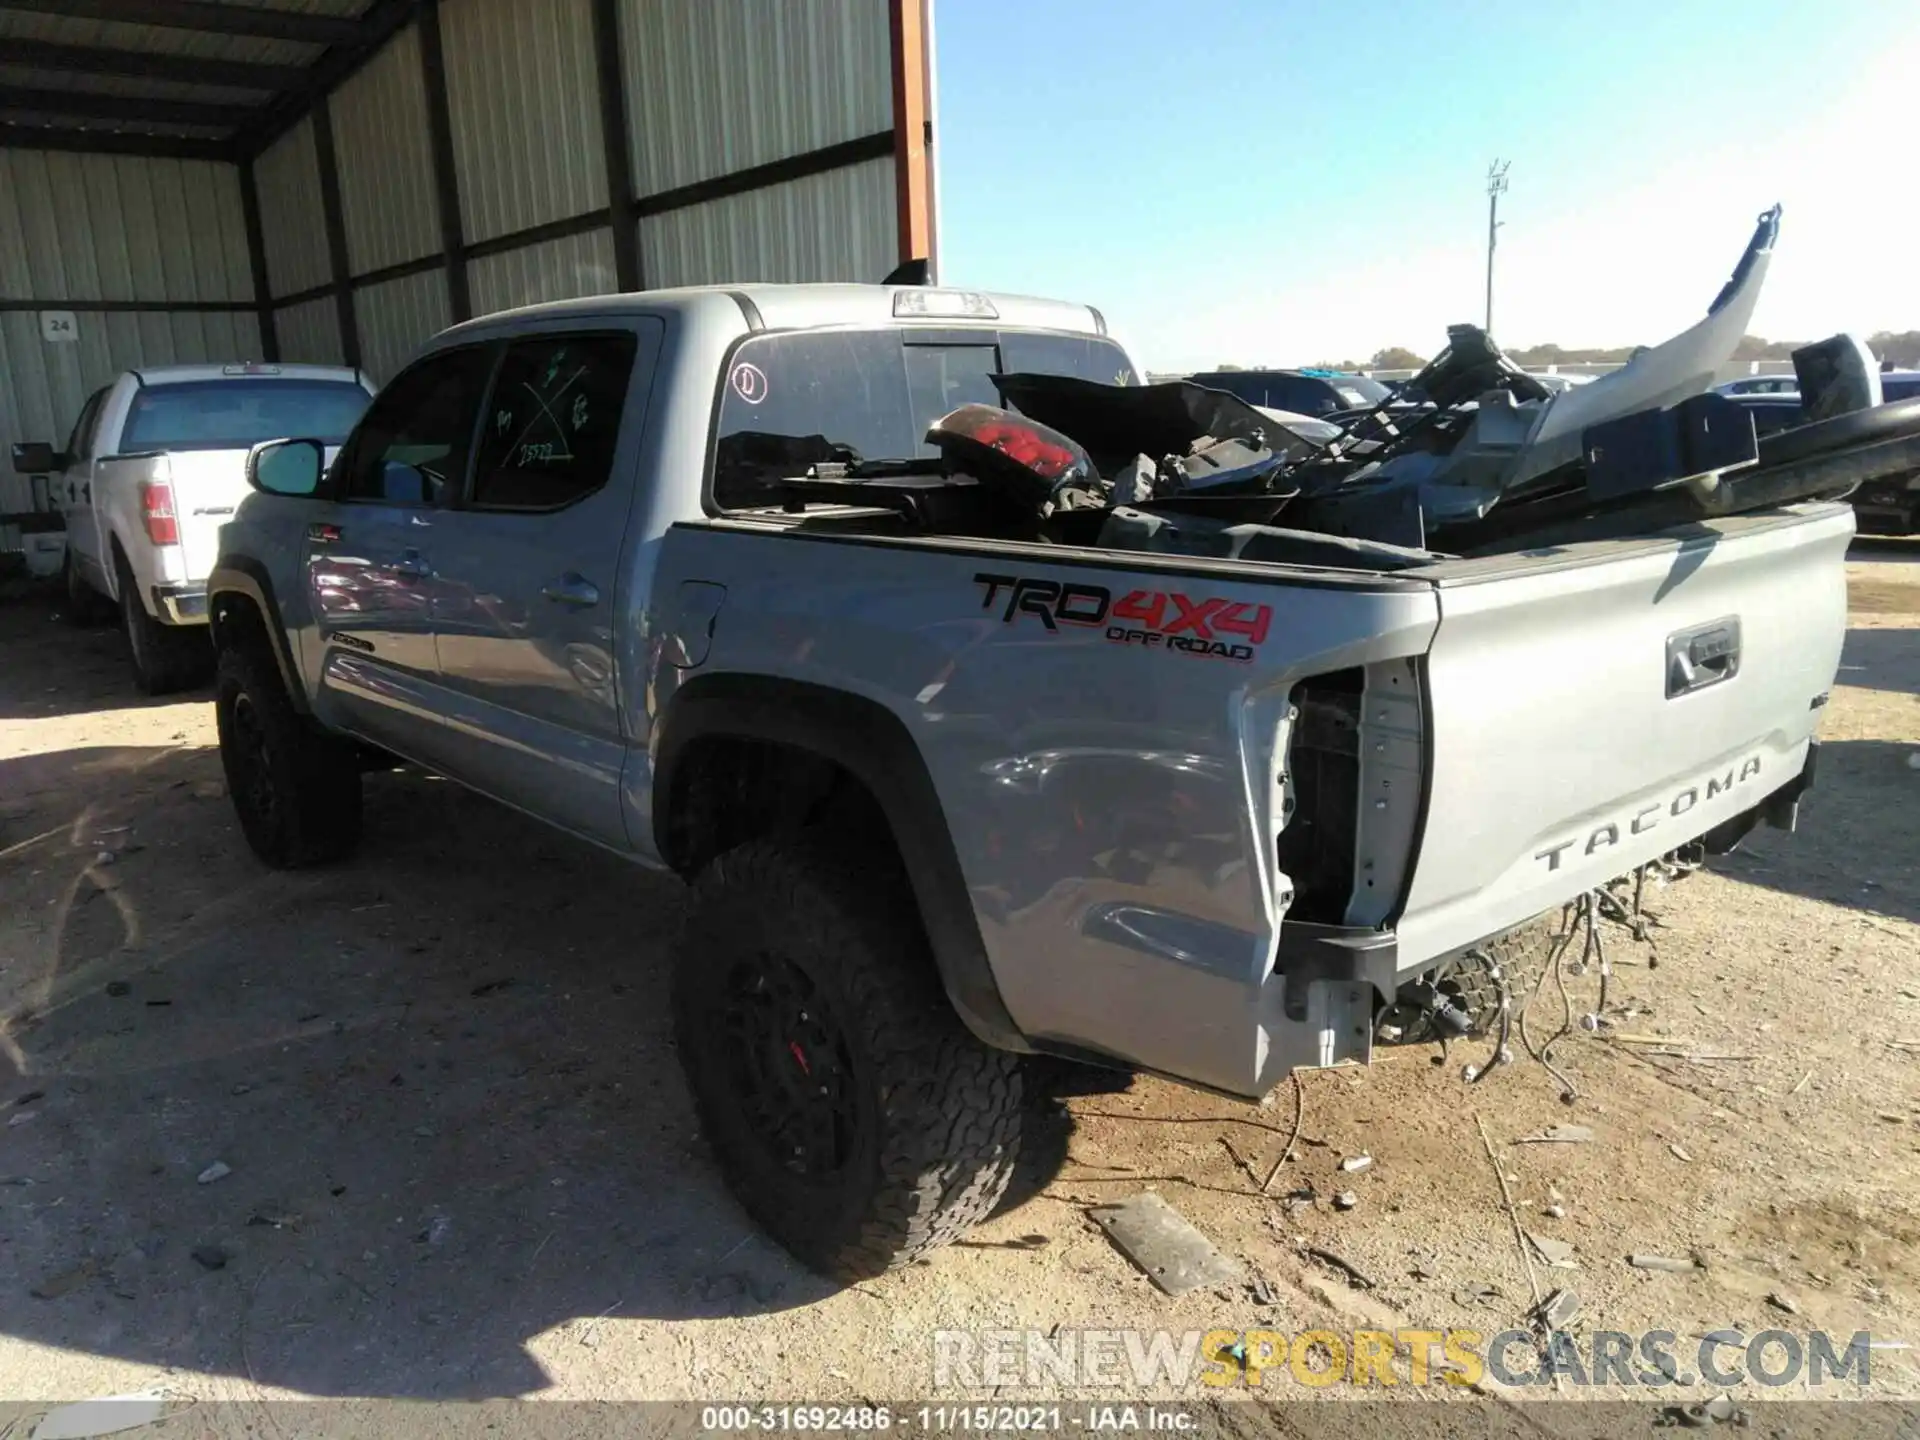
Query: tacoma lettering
[{"x": 1646, "y": 818}]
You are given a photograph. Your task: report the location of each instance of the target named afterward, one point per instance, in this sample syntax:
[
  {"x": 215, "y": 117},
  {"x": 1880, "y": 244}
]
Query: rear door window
[{"x": 551, "y": 422}]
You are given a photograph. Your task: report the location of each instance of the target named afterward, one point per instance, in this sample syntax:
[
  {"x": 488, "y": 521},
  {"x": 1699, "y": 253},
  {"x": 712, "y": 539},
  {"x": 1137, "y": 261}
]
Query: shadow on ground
[
  {"x": 1897, "y": 548},
  {"x": 442, "y": 1076},
  {"x": 1882, "y": 659},
  {"x": 55, "y": 668},
  {"x": 1852, "y": 847}
]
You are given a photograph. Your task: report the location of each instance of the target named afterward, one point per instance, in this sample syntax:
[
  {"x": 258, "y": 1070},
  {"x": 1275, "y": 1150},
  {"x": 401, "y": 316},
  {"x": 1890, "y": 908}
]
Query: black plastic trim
[
  {"x": 868, "y": 741},
  {"x": 1059, "y": 555},
  {"x": 1418, "y": 841},
  {"x": 1348, "y": 953},
  {"x": 243, "y": 575},
  {"x": 749, "y": 311}
]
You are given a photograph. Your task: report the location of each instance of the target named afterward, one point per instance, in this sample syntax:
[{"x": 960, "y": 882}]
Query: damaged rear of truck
[{"x": 1238, "y": 736}]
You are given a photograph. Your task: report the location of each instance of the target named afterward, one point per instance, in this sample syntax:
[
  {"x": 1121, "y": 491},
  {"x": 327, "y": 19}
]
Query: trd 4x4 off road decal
[{"x": 1156, "y": 619}]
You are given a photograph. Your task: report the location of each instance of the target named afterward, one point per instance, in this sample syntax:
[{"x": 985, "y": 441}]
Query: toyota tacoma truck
[
  {"x": 154, "y": 466},
  {"x": 976, "y": 740}
]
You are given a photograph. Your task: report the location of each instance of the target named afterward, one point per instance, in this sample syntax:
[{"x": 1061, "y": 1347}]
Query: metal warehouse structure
[{"x": 336, "y": 180}]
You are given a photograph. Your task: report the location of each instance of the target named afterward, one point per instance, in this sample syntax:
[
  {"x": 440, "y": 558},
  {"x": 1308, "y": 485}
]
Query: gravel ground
[{"x": 459, "y": 1161}]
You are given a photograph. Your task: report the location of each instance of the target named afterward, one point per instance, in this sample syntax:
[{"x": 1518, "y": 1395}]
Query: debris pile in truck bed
[{"x": 1472, "y": 455}]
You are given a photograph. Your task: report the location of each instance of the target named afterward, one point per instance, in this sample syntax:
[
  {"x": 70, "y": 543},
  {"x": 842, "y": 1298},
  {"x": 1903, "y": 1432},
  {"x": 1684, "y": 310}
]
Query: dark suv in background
[
  {"x": 1304, "y": 392},
  {"x": 1888, "y": 505}
]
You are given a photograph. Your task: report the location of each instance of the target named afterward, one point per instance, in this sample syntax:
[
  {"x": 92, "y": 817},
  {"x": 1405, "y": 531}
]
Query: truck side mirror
[
  {"x": 286, "y": 467},
  {"x": 35, "y": 457}
]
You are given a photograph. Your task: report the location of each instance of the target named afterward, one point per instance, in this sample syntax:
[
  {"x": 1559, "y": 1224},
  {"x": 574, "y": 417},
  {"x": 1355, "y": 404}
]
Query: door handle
[
  {"x": 1703, "y": 656},
  {"x": 573, "y": 590},
  {"x": 412, "y": 566}
]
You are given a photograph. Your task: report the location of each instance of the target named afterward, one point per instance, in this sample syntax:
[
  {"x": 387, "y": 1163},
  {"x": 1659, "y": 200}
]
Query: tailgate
[
  {"x": 208, "y": 485},
  {"x": 1596, "y": 706}
]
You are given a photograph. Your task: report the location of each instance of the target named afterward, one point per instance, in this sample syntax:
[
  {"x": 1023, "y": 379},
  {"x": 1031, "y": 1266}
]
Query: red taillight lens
[
  {"x": 1039, "y": 448},
  {"x": 156, "y": 508}
]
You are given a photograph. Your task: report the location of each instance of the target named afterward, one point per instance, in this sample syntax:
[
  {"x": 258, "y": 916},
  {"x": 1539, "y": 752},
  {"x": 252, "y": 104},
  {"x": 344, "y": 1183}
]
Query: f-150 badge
[{"x": 1153, "y": 619}]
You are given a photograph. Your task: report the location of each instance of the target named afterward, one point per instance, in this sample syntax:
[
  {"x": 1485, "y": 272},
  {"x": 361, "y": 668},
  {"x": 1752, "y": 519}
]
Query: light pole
[{"x": 1496, "y": 187}]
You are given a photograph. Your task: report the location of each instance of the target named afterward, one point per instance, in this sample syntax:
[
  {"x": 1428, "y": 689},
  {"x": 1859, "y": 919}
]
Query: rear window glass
[
  {"x": 234, "y": 414},
  {"x": 789, "y": 401}
]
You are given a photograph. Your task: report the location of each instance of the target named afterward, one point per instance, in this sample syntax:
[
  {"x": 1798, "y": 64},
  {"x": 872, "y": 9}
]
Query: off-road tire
[
  {"x": 295, "y": 789},
  {"x": 934, "y": 1125},
  {"x": 166, "y": 658},
  {"x": 86, "y": 607}
]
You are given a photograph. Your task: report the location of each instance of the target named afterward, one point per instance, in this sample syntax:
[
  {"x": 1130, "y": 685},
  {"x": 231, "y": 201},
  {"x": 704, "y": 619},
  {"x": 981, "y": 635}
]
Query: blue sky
[{"x": 1252, "y": 181}]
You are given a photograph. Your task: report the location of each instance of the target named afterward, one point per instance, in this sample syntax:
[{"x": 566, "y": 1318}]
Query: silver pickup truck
[{"x": 957, "y": 776}]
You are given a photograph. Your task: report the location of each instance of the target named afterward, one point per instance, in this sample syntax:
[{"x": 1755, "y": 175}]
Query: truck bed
[{"x": 1209, "y": 810}]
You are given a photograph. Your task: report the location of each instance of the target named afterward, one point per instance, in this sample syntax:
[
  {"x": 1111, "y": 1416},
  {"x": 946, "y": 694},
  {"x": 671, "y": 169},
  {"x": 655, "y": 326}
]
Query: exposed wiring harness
[
  {"x": 1502, "y": 1051},
  {"x": 1584, "y": 918}
]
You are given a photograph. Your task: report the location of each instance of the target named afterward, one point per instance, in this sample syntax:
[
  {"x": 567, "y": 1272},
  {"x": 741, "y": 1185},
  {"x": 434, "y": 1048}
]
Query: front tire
[
  {"x": 852, "y": 1114},
  {"x": 295, "y": 789},
  {"x": 166, "y": 658}
]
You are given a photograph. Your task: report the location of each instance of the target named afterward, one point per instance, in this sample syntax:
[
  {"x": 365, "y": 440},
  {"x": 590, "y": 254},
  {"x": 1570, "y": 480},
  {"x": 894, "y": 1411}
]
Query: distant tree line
[{"x": 1901, "y": 347}]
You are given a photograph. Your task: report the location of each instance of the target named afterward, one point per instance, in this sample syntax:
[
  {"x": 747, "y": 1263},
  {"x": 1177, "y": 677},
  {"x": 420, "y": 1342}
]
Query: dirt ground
[{"x": 461, "y": 1163}]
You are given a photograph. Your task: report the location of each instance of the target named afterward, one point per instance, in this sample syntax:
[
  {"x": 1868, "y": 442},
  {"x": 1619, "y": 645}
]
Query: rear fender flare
[
  {"x": 246, "y": 577},
  {"x": 871, "y": 744}
]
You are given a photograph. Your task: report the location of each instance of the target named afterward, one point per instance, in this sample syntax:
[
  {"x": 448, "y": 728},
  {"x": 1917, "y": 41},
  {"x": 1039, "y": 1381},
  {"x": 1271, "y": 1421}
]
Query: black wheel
[
  {"x": 851, "y": 1112},
  {"x": 295, "y": 789},
  {"x": 85, "y": 607},
  {"x": 166, "y": 658}
]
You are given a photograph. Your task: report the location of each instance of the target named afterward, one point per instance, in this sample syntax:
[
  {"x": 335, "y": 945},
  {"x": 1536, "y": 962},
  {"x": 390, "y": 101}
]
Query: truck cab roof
[
  {"x": 249, "y": 370},
  {"x": 800, "y": 307}
]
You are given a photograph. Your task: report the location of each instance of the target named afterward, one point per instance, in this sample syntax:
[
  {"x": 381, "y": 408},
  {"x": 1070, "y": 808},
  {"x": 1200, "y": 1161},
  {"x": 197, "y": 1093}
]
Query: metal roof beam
[
  {"x": 15, "y": 136},
  {"x": 205, "y": 15},
  {"x": 374, "y": 29},
  {"x": 140, "y": 65},
  {"x": 124, "y": 108}
]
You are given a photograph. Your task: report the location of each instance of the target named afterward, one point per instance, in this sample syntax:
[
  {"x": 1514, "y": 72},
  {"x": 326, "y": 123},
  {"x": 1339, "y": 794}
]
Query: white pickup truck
[{"x": 154, "y": 467}]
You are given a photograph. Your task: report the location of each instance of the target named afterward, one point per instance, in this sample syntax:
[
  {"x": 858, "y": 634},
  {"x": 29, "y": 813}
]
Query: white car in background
[{"x": 155, "y": 466}]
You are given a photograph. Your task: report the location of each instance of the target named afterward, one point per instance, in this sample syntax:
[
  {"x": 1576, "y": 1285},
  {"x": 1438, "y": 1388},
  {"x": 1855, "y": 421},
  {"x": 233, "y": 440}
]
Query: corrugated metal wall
[
  {"x": 554, "y": 270},
  {"x": 43, "y": 385},
  {"x": 836, "y": 226},
  {"x": 118, "y": 227},
  {"x": 111, "y": 228},
  {"x": 385, "y": 153},
  {"x": 715, "y": 86},
  {"x": 293, "y": 225},
  {"x": 395, "y": 316},
  {"x": 310, "y": 332},
  {"x": 524, "y": 99}
]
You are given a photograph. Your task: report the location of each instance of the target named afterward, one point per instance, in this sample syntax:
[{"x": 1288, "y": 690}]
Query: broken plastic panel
[{"x": 1662, "y": 376}]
